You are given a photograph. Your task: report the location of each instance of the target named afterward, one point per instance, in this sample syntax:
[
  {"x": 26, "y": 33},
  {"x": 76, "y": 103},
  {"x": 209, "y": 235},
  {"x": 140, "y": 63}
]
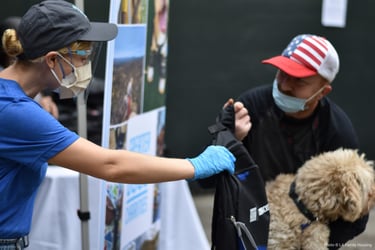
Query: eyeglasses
[{"x": 81, "y": 52}]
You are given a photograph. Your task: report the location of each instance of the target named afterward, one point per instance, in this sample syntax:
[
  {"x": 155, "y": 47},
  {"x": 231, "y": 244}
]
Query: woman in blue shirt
[{"x": 52, "y": 46}]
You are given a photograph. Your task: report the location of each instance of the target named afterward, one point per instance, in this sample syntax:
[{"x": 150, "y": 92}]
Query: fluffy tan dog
[{"x": 332, "y": 185}]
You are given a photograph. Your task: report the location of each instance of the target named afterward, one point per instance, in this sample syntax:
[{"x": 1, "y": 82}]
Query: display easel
[{"x": 83, "y": 211}]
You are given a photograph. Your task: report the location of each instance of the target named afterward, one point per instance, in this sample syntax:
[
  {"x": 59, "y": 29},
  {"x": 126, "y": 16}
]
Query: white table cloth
[{"x": 56, "y": 225}]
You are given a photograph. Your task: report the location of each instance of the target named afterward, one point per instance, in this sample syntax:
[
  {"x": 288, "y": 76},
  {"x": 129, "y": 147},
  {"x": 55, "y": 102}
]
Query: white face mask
[
  {"x": 76, "y": 82},
  {"x": 290, "y": 104}
]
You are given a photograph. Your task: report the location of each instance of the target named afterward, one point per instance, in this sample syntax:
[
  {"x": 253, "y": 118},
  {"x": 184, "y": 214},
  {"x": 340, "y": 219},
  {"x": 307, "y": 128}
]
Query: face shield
[
  {"x": 97, "y": 46},
  {"x": 81, "y": 78}
]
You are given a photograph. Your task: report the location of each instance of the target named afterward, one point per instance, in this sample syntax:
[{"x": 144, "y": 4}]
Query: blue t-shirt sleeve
[{"x": 30, "y": 135}]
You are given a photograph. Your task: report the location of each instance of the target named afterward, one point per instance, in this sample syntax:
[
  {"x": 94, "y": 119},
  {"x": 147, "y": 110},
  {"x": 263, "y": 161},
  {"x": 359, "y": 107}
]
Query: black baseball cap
[{"x": 55, "y": 24}]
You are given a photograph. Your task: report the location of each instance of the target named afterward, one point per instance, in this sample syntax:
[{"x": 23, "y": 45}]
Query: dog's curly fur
[{"x": 335, "y": 184}]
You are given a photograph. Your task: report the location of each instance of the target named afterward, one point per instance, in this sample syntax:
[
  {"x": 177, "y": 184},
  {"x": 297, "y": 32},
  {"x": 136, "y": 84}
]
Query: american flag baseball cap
[{"x": 308, "y": 55}]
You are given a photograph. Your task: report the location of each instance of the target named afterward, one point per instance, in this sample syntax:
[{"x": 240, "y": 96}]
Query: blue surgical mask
[{"x": 290, "y": 104}]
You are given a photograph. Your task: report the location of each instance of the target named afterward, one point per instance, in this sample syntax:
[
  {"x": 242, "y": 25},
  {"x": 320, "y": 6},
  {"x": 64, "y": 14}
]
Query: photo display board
[{"x": 134, "y": 119}]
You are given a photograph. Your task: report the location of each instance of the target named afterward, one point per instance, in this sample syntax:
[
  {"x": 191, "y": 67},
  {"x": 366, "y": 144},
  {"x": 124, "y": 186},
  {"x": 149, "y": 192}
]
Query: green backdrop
[{"x": 215, "y": 49}]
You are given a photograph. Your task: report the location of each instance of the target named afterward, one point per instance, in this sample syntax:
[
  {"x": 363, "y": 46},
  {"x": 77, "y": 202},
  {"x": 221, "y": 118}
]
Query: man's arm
[{"x": 343, "y": 231}]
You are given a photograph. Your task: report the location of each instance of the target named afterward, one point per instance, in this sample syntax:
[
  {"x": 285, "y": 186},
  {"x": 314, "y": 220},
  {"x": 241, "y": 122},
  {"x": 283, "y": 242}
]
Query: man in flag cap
[{"x": 293, "y": 119}]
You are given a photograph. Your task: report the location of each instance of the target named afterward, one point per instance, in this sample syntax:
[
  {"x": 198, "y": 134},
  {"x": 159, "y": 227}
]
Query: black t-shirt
[{"x": 280, "y": 144}]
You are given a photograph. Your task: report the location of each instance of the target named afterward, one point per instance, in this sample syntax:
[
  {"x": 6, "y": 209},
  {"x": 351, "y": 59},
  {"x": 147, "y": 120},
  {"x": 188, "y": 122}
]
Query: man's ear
[{"x": 327, "y": 89}]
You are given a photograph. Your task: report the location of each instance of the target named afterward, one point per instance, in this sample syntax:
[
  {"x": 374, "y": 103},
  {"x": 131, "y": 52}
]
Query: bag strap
[{"x": 240, "y": 226}]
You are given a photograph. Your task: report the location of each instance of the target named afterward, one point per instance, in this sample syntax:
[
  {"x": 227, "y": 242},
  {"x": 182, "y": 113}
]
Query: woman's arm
[{"x": 129, "y": 167}]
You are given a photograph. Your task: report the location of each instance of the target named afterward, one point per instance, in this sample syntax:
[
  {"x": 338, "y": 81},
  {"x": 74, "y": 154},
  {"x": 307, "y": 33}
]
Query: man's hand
[
  {"x": 49, "y": 105},
  {"x": 242, "y": 119}
]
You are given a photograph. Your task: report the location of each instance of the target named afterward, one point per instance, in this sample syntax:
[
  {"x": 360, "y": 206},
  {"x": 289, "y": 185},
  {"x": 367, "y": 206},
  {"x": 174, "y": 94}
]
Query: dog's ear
[
  {"x": 370, "y": 201},
  {"x": 334, "y": 197},
  {"x": 351, "y": 196}
]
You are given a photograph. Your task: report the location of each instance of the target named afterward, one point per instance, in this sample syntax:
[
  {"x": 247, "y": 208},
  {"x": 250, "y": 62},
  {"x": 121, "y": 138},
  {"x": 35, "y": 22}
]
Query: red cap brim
[{"x": 290, "y": 67}]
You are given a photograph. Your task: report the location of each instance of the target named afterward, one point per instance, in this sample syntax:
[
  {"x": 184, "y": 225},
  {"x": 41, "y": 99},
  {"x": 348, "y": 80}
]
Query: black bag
[{"x": 241, "y": 214}]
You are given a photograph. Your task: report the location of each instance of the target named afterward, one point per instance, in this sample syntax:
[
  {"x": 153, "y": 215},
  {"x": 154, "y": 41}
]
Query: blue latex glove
[{"x": 212, "y": 161}]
